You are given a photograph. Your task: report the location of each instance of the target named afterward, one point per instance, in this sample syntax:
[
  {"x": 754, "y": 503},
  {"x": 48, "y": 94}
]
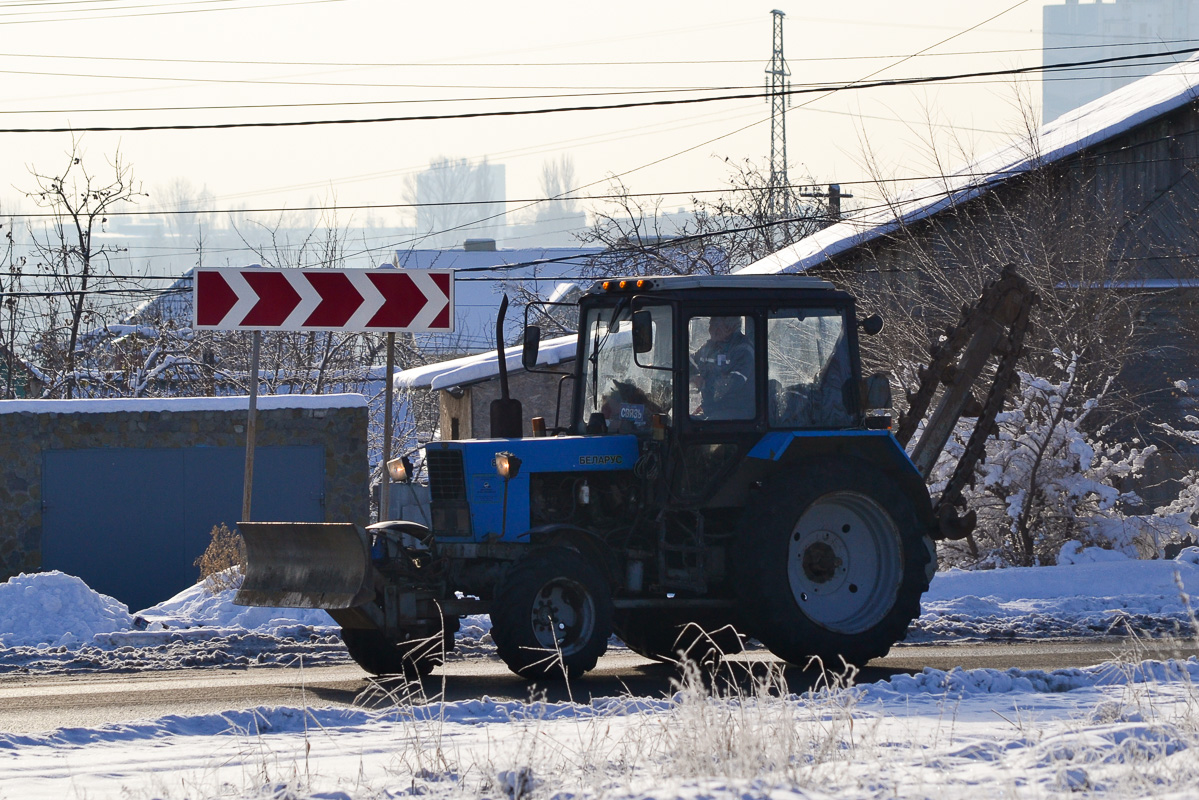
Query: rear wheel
[
  {"x": 833, "y": 565},
  {"x": 552, "y": 615}
]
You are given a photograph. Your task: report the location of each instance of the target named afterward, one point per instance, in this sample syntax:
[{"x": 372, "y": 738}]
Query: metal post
[
  {"x": 251, "y": 429},
  {"x": 388, "y": 392},
  {"x": 779, "y": 198}
]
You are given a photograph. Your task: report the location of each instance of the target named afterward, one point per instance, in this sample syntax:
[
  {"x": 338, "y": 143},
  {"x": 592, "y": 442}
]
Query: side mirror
[
  {"x": 878, "y": 391},
  {"x": 643, "y": 332},
  {"x": 871, "y": 325},
  {"x": 532, "y": 343}
]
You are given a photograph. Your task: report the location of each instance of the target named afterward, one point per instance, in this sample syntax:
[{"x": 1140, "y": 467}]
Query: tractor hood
[{"x": 463, "y": 478}]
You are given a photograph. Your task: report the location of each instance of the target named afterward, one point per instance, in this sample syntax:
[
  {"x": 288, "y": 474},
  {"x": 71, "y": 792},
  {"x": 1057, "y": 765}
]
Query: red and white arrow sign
[{"x": 255, "y": 298}]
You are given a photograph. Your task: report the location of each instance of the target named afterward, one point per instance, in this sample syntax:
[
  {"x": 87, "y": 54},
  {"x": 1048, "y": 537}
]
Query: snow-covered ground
[{"x": 1115, "y": 729}]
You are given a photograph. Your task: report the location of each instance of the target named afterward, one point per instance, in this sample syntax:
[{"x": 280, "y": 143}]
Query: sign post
[
  {"x": 353, "y": 300},
  {"x": 251, "y": 429}
]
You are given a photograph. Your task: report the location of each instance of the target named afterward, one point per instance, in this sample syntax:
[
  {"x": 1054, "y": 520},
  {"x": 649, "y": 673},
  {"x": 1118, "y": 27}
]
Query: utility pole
[{"x": 779, "y": 81}]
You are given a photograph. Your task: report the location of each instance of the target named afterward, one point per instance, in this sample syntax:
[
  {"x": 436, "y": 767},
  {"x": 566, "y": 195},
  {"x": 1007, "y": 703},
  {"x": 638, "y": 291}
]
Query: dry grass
[{"x": 223, "y": 562}]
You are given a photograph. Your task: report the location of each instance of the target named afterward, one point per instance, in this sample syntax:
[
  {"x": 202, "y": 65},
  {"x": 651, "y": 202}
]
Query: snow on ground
[
  {"x": 52, "y": 622},
  {"x": 1114, "y": 730},
  {"x": 1121, "y": 731}
]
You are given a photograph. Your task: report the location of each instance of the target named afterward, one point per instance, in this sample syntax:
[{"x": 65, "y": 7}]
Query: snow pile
[
  {"x": 1101, "y": 592},
  {"x": 198, "y": 606},
  {"x": 51, "y": 608},
  {"x": 960, "y": 682},
  {"x": 54, "y": 623}
]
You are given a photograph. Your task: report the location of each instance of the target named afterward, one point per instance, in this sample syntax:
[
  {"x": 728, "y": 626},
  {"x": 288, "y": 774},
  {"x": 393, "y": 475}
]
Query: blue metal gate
[{"x": 131, "y": 522}]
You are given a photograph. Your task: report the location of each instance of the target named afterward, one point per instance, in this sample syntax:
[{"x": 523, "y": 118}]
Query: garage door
[{"x": 132, "y": 522}]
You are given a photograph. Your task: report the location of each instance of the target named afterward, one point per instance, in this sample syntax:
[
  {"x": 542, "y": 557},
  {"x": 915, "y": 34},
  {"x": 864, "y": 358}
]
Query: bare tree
[
  {"x": 179, "y": 201},
  {"x": 12, "y": 312},
  {"x": 715, "y": 236},
  {"x": 70, "y": 259}
]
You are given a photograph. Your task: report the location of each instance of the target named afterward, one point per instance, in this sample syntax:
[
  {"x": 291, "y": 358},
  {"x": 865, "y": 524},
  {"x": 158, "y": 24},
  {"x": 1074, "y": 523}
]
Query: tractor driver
[{"x": 723, "y": 371}]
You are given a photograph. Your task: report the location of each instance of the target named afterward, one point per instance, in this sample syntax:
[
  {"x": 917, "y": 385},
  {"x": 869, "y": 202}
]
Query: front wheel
[
  {"x": 833, "y": 565},
  {"x": 552, "y": 615},
  {"x": 414, "y": 658},
  {"x": 675, "y": 637}
]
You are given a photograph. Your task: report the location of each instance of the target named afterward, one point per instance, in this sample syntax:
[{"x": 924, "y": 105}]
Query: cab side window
[
  {"x": 808, "y": 370},
  {"x": 721, "y": 371}
]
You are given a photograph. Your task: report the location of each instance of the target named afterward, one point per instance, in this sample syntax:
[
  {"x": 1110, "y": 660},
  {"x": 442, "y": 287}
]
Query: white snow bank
[
  {"x": 265, "y": 403},
  {"x": 197, "y": 606},
  {"x": 50, "y": 608},
  {"x": 1122, "y": 577},
  {"x": 54, "y": 609},
  {"x": 959, "y": 682}
]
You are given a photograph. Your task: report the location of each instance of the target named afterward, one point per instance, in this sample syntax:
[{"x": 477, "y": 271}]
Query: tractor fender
[
  {"x": 879, "y": 449},
  {"x": 414, "y": 529},
  {"x": 582, "y": 541}
]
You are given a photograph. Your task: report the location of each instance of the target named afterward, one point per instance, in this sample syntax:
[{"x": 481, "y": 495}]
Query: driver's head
[{"x": 721, "y": 328}]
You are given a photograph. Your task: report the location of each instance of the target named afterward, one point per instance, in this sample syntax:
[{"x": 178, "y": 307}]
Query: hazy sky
[{"x": 63, "y": 61}]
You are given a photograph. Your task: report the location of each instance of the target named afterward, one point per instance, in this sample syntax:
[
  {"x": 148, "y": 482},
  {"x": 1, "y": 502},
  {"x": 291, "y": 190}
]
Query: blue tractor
[{"x": 724, "y": 468}]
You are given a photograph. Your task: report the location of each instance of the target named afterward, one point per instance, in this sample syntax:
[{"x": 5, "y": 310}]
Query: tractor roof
[{"x": 678, "y": 282}]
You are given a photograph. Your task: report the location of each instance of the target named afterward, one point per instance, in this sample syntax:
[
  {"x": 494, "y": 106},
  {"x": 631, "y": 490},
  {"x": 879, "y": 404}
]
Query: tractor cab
[
  {"x": 712, "y": 364},
  {"x": 707, "y": 357}
]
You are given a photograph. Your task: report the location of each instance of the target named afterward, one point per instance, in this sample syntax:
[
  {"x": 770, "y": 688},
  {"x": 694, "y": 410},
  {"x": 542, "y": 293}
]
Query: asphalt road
[{"x": 40, "y": 703}]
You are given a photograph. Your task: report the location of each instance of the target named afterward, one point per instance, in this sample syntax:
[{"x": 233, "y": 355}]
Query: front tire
[
  {"x": 552, "y": 615},
  {"x": 833, "y": 564},
  {"x": 414, "y": 659},
  {"x": 673, "y": 637}
]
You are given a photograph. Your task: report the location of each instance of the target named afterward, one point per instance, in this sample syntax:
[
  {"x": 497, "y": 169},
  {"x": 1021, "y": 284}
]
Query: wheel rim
[
  {"x": 845, "y": 562},
  {"x": 563, "y": 616}
]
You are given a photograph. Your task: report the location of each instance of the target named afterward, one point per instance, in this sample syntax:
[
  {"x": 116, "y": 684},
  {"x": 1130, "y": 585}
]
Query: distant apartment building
[{"x": 1077, "y": 31}]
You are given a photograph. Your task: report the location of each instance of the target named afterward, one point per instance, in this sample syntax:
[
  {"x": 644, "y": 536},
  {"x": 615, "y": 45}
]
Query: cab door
[{"x": 719, "y": 401}]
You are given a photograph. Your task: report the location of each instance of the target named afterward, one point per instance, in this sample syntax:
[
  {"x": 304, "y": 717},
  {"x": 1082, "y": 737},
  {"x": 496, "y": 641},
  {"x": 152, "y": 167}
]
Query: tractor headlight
[
  {"x": 400, "y": 469},
  {"x": 507, "y": 465}
]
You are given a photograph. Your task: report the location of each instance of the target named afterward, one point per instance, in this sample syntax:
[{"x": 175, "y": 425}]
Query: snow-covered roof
[
  {"x": 1087, "y": 126},
  {"x": 174, "y": 404},
  {"x": 483, "y": 366}
]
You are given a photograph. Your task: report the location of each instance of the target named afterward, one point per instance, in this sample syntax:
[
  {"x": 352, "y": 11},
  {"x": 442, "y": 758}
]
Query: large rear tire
[
  {"x": 832, "y": 564},
  {"x": 552, "y": 615}
]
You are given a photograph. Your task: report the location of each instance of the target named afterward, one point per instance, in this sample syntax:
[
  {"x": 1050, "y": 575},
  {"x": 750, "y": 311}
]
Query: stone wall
[{"x": 28, "y": 428}]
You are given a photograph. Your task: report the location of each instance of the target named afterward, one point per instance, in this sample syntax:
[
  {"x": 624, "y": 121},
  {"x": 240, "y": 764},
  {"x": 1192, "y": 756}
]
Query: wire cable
[{"x": 857, "y": 85}]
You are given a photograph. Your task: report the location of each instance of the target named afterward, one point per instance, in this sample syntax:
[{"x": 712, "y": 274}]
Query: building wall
[
  {"x": 26, "y": 435},
  {"x": 470, "y": 414}
]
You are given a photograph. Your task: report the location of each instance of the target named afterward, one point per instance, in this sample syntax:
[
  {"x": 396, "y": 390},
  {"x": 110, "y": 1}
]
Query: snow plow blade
[{"x": 305, "y": 565}]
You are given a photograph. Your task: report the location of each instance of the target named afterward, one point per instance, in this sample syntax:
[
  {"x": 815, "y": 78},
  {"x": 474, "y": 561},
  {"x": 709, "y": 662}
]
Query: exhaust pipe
[{"x": 506, "y": 413}]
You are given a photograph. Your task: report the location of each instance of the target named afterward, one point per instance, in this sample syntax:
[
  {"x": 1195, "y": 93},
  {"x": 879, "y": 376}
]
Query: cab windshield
[{"x": 627, "y": 389}]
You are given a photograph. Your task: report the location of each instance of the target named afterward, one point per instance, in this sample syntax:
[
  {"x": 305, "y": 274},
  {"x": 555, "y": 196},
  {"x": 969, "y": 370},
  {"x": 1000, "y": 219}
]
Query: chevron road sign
[{"x": 383, "y": 300}]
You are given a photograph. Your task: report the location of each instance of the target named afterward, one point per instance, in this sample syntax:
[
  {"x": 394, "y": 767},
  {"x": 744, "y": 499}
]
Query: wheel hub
[
  {"x": 562, "y": 616},
  {"x": 845, "y": 562},
  {"x": 820, "y": 562}
]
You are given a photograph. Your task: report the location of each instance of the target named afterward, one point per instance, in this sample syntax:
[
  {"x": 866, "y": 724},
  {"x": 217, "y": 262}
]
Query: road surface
[{"x": 45, "y": 702}]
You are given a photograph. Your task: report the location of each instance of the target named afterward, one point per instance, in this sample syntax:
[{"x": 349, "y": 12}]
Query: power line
[
  {"x": 610, "y": 107},
  {"x": 652, "y": 194},
  {"x": 162, "y": 13},
  {"x": 556, "y": 64}
]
